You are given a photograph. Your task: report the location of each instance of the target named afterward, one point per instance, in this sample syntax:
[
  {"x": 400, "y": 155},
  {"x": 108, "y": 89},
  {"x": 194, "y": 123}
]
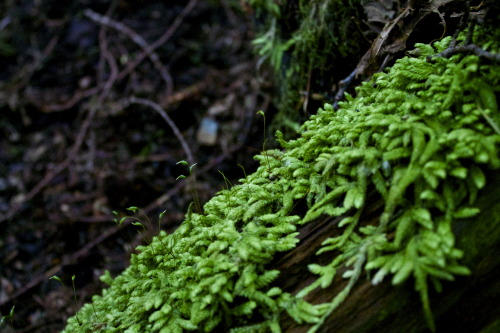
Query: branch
[
  {"x": 471, "y": 48},
  {"x": 136, "y": 38},
  {"x": 164, "y": 115}
]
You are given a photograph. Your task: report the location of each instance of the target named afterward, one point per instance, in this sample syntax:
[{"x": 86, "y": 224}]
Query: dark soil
[{"x": 74, "y": 146}]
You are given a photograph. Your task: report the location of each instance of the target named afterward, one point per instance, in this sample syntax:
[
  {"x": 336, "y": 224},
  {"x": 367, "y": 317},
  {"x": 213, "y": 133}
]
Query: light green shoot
[
  {"x": 9, "y": 317},
  {"x": 191, "y": 177},
  {"x": 261, "y": 113},
  {"x": 226, "y": 180},
  {"x": 58, "y": 279},
  {"x": 190, "y": 169},
  {"x": 133, "y": 209},
  {"x": 242, "y": 168}
]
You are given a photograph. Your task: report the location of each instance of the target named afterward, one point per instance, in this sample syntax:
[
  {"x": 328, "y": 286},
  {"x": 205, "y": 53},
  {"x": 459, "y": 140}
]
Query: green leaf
[
  {"x": 155, "y": 316},
  {"x": 57, "y": 278},
  {"x": 243, "y": 252},
  {"x": 478, "y": 176},
  {"x": 403, "y": 273},
  {"x": 148, "y": 304},
  {"x": 422, "y": 216},
  {"x": 459, "y": 172},
  {"x": 458, "y": 270},
  {"x": 166, "y": 308},
  {"x": 158, "y": 301},
  {"x": 404, "y": 228},
  {"x": 133, "y": 209},
  {"x": 466, "y": 212},
  {"x": 379, "y": 276},
  {"x": 275, "y": 327},
  {"x": 186, "y": 324},
  {"x": 354, "y": 198},
  {"x": 439, "y": 273}
]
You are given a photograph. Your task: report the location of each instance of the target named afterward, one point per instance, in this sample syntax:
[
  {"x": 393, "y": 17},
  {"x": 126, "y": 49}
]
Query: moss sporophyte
[{"x": 421, "y": 135}]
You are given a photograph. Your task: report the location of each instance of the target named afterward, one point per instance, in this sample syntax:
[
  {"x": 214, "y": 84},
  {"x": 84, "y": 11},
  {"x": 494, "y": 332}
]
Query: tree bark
[{"x": 468, "y": 304}]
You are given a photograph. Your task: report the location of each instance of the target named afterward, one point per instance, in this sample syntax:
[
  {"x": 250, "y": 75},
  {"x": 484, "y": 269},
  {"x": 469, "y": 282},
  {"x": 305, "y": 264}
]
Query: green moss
[
  {"x": 493, "y": 327},
  {"x": 304, "y": 41},
  {"x": 422, "y": 135}
]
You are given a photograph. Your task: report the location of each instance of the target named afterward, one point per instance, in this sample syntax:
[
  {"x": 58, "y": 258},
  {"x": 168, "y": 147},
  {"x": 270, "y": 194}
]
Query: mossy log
[
  {"x": 469, "y": 304},
  {"x": 395, "y": 169}
]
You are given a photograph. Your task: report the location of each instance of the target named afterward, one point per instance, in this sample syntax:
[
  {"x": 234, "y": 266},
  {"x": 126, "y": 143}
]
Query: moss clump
[
  {"x": 305, "y": 41},
  {"x": 421, "y": 134}
]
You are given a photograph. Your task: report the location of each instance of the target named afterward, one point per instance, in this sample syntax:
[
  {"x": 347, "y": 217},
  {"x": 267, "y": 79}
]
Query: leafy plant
[
  {"x": 297, "y": 39},
  {"x": 58, "y": 279},
  {"x": 417, "y": 134},
  {"x": 9, "y": 317}
]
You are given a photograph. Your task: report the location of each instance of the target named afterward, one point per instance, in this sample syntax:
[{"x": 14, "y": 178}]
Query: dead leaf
[
  {"x": 379, "y": 11},
  {"x": 398, "y": 30}
]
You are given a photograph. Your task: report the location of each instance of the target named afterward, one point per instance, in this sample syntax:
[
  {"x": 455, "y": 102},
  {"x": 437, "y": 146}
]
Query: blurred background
[{"x": 99, "y": 101}]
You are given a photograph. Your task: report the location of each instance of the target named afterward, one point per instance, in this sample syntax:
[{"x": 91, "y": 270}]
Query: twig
[
  {"x": 467, "y": 46},
  {"x": 472, "y": 48},
  {"x": 49, "y": 176},
  {"x": 28, "y": 71},
  {"x": 136, "y": 38},
  {"x": 131, "y": 65},
  {"x": 164, "y": 115},
  {"x": 183, "y": 94},
  {"x": 54, "y": 172},
  {"x": 74, "y": 257},
  {"x": 343, "y": 85},
  {"x": 66, "y": 260},
  {"x": 386, "y": 60},
  {"x": 77, "y": 97},
  {"x": 162, "y": 40}
]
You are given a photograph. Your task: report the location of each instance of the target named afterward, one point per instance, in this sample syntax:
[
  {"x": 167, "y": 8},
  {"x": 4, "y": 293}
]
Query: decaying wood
[{"x": 468, "y": 304}]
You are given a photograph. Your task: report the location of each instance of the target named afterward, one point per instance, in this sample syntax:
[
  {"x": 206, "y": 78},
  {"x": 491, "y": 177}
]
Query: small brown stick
[
  {"x": 54, "y": 172},
  {"x": 49, "y": 176},
  {"x": 136, "y": 38},
  {"x": 131, "y": 65},
  {"x": 77, "y": 97},
  {"x": 343, "y": 85},
  {"x": 162, "y": 40},
  {"x": 472, "y": 48},
  {"x": 164, "y": 115},
  {"x": 66, "y": 260},
  {"x": 185, "y": 93},
  {"x": 27, "y": 72},
  {"x": 74, "y": 257}
]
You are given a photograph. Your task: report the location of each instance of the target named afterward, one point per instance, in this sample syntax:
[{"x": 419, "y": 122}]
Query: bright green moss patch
[{"x": 421, "y": 135}]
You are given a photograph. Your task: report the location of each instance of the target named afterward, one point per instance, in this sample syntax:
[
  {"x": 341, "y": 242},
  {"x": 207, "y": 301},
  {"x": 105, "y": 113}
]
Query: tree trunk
[{"x": 468, "y": 304}]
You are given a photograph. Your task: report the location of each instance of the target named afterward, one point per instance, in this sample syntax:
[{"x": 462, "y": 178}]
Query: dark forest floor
[{"x": 82, "y": 91}]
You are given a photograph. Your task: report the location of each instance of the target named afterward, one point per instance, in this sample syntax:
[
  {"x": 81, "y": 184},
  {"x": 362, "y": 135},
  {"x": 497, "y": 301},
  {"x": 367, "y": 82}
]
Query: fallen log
[{"x": 468, "y": 304}]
